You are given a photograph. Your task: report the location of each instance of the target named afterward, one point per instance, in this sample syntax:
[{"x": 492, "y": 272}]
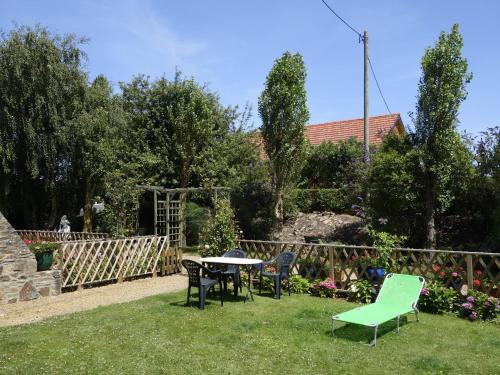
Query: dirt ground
[{"x": 87, "y": 299}]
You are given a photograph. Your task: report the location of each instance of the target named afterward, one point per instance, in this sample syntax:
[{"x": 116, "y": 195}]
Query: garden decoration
[{"x": 398, "y": 296}]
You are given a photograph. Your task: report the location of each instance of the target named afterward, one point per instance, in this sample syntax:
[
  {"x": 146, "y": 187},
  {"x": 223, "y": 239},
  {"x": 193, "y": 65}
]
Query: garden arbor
[{"x": 169, "y": 209}]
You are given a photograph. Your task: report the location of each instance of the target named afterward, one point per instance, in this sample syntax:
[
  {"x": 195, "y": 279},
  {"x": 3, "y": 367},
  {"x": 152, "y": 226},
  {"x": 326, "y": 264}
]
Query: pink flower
[
  {"x": 473, "y": 315},
  {"x": 454, "y": 274},
  {"x": 467, "y": 306},
  {"x": 471, "y": 299},
  {"x": 424, "y": 292}
]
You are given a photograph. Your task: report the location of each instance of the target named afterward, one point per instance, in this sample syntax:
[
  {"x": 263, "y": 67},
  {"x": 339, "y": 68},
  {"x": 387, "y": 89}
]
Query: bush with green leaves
[
  {"x": 477, "y": 305},
  {"x": 384, "y": 243},
  {"x": 299, "y": 284},
  {"x": 219, "y": 233},
  {"x": 360, "y": 291},
  {"x": 309, "y": 200},
  {"x": 324, "y": 288},
  {"x": 435, "y": 298}
]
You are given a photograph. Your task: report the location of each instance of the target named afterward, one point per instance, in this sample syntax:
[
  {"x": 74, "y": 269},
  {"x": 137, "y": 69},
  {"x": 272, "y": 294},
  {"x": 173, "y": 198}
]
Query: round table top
[{"x": 229, "y": 260}]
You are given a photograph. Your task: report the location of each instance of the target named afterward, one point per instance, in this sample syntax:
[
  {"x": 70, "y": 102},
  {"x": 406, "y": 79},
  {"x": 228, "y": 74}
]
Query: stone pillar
[{"x": 19, "y": 280}]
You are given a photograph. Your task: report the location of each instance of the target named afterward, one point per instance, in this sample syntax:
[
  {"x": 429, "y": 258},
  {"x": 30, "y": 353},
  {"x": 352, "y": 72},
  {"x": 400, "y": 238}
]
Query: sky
[{"x": 231, "y": 46}]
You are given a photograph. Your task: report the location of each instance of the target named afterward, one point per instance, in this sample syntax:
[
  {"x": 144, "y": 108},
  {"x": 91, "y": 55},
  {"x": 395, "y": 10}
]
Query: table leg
[{"x": 249, "y": 285}]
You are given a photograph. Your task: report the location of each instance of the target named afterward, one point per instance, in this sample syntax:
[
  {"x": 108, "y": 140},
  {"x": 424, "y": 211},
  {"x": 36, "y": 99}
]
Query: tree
[
  {"x": 284, "y": 113},
  {"x": 42, "y": 85},
  {"x": 180, "y": 121},
  {"x": 442, "y": 88},
  {"x": 97, "y": 129}
]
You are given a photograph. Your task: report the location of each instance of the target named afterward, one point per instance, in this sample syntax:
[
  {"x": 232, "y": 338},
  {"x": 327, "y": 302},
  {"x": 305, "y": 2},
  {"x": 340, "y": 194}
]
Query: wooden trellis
[
  {"x": 92, "y": 262},
  {"x": 480, "y": 271},
  {"x": 169, "y": 210}
]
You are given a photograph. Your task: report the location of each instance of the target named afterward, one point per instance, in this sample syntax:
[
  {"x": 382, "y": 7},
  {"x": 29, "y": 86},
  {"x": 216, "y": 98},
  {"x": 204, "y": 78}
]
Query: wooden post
[
  {"x": 332, "y": 266},
  {"x": 470, "y": 272},
  {"x": 167, "y": 219},
  {"x": 155, "y": 208},
  {"x": 365, "y": 96}
]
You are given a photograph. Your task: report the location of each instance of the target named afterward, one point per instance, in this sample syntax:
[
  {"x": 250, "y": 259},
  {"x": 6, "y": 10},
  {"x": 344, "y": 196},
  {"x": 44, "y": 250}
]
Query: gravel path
[{"x": 87, "y": 299}]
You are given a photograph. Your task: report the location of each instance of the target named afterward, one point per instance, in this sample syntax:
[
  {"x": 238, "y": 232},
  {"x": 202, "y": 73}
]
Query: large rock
[{"x": 327, "y": 226}]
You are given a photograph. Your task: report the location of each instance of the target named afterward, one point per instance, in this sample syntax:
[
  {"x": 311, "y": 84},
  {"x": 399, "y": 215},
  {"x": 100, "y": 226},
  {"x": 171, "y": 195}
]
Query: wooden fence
[
  {"x": 53, "y": 236},
  {"x": 480, "y": 271},
  {"x": 91, "y": 262}
]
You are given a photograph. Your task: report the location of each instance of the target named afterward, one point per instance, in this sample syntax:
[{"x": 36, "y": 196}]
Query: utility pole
[{"x": 365, "y": 84}]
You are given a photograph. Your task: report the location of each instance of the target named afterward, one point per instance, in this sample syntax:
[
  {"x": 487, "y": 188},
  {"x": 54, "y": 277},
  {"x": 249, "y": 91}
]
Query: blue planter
[{"x": 377, "y": 274}]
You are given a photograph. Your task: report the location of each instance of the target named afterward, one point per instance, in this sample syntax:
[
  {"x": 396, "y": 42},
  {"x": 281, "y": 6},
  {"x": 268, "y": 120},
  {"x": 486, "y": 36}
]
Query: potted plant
[{"x": 44, "y": 254}]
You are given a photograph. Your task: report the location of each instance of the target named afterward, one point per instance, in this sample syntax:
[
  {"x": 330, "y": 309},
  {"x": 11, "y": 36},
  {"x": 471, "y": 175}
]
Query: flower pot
[{"x": 44, "y": 260}]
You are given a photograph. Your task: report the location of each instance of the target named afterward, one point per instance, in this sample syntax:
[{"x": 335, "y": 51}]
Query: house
[{"x": 342, "y": 130}]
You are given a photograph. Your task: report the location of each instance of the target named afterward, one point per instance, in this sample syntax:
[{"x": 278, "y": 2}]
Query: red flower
[
  {"x": 435, "y": 267},
  {"x": 478, "y": 272},
  {"x": 442, "y": 274},
  {"x": 477, "y": 282},
  {"x": 27, "y": 242}
]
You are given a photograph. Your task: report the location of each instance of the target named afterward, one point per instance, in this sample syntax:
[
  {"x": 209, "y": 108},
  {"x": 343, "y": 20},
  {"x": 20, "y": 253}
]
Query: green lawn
[{"x": 159, "y": 335}]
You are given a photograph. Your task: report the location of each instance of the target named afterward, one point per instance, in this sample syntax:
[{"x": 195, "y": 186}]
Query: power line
[
  {"x": 378, "y": 86},
  {"x": 344, "y": 21},
  {"x": 360, "y": 39}
]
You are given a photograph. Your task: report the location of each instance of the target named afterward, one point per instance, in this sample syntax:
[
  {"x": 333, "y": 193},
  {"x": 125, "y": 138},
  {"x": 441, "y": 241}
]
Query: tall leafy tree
[
  {"x": 442, "y": 88},
  {"x": 96, "y": 131},
  {"x": 42, "y": 85},
  {"x": 284, "y": 113},
  {"x": 181, "y": 122}
]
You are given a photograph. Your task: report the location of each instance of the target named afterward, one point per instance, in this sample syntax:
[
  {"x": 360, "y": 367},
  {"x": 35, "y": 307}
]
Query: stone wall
[{"x": 19, "y": 280}]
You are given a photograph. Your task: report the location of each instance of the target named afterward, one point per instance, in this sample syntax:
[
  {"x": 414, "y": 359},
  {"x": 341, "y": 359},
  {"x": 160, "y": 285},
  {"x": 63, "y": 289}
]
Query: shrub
[
  {"x": 325, "y": 288},
  {"x": 309, "y": 200},
  {"x": 360, "y": 291},
  {"x": 299, "y": 284},
  {"x": 384, "y": 243},
  {"x": 219, "y": 233},
  {"x": 478, "y": 305},
  {"x": 435, "y": 298}
]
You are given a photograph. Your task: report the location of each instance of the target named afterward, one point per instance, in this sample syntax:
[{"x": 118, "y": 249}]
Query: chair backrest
[
  {"x": 285, "y": 261},
  {"x": 235, "y": 253},
  {"x": 400, "y": 290},
  {"x": 193, "y": 269}
]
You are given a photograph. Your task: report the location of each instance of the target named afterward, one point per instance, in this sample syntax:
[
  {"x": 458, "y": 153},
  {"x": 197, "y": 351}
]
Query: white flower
[
  {"x": 207, "y": 246},
  {"x": 353, "y": 288}
]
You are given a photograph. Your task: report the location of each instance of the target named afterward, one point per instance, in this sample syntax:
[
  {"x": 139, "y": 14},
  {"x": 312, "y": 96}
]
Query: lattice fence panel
[
  {"x": 91, "y": 262},
  {"x": 53, "y": 236},
  {"x": 480, "y": 271}
]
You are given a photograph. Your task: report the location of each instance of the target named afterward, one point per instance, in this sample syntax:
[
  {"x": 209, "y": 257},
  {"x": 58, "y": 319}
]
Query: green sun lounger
[{"x": 398, "y": 296}]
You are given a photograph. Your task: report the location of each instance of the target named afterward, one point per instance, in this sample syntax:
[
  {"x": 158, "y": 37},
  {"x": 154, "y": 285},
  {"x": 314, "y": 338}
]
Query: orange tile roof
[
  {"x": 343, "y": 130},
  {"x": 337, "y": 131}
]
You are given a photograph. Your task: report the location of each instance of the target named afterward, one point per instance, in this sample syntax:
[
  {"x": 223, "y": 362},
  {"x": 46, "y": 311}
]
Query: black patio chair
[
  {"x": 233, "y": 271},
  {"x": 284, "y": 262},
  {"x": 202, "y": 283}
]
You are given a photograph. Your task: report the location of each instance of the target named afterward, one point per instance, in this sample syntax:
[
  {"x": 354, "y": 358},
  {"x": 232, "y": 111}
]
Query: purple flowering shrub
[
  {"x": 478, "y": 305},
  {"x": 325, "y": 288},
  {"x": 435, "y": 298}
]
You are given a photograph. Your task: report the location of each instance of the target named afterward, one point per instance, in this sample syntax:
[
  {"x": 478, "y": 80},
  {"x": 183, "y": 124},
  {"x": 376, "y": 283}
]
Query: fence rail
[
  {"x": 53, "y": 236},
  {"x": 345, "y": 263},
  {"x": 91, "y": 262}
]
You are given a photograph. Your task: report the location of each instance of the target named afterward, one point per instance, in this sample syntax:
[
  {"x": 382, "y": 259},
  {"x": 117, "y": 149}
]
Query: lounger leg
[
  {"x": 374, "y": 342},
  {"x": 416, "y": 313},
  {"x": 398, "y": 323},
  {"x": 333, "y": 327}
]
